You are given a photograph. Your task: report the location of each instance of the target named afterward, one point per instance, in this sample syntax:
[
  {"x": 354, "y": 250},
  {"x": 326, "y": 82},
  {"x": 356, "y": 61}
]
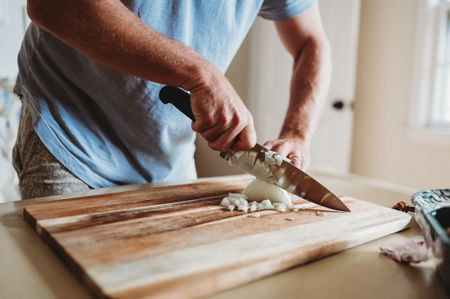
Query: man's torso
[{"x": 109, "y": 127}]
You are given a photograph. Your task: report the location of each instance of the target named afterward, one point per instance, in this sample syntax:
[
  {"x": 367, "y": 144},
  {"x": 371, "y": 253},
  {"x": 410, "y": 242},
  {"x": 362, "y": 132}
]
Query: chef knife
[{"x": 262, "y": 163}]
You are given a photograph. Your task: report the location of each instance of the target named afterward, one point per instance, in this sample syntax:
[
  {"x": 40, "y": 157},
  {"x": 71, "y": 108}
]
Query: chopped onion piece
[
  {"x": 225, "y": 202},
  {"x": 287, "y": 159},
  {"x": 291, "y": 188},
  {"x": 264, "y": 196},
  {"x": 243, "y": 208},
  {"x": 238, "y": 154},
  {"x": 255, "y": 215},
  {"x": 227, "y": 156},
  {"x": 267, "y": 204},
  {"x": 230, "y": 162},
  {"x": 279, "y": 160},
  {"x": 281, "y": 208}
]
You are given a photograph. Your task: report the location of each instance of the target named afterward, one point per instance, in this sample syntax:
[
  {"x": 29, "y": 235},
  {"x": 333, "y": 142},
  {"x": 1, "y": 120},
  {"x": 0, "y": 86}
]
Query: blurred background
[{"x": 387, "y": 114}]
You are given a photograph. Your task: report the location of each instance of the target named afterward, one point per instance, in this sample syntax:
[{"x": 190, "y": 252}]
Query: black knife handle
[{"x": 177, "y": 97}]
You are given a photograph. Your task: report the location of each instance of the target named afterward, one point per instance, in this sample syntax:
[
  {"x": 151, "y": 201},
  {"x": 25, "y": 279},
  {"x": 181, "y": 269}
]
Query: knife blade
[
  {"x": 270, "y": 167},
  {"x": 262, "y": 163}
]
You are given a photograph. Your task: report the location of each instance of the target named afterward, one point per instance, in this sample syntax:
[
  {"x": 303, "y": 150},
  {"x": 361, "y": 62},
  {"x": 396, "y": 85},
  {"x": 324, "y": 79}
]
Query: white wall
[
  {"x": 12, "y": 28},
  {"x": 381, "y": 147},
  {"x": 11, "y": 33}
]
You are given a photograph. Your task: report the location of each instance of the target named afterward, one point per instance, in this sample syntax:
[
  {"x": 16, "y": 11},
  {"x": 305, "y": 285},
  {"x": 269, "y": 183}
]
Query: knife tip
[
  {"x": 346, "y": 209},
  {"x": 341, "y": 206}
]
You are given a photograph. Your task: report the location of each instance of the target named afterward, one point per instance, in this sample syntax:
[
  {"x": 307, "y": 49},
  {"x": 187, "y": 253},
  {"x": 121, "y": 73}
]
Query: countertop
[{"x": 29, "y": 269}]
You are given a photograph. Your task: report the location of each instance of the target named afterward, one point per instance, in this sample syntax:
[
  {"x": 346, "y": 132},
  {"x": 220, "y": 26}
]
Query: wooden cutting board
[{"x": 177, "y": 242}]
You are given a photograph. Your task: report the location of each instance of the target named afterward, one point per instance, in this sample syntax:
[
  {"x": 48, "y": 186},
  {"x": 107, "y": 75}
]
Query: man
[{"x": 91, "y": 71}]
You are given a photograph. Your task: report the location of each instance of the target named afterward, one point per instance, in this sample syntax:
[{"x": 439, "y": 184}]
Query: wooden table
[{"x": 29, "y": 269}]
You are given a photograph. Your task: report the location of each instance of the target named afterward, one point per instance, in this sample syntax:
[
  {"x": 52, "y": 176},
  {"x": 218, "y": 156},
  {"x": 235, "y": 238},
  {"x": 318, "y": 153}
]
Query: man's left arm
[{"x": 304, "y": 38}]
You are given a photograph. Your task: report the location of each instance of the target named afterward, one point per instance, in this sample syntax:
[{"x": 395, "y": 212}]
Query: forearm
[
  {"x": 110, "y": 34},
  {"x": 309, "y": 86}
]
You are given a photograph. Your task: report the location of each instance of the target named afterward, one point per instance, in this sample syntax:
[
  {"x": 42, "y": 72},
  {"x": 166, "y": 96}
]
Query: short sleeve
[{"x": 282, "y": 9}]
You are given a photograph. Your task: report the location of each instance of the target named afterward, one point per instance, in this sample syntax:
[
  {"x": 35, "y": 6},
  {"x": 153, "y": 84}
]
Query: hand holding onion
[{"x": 295, "y": 149}]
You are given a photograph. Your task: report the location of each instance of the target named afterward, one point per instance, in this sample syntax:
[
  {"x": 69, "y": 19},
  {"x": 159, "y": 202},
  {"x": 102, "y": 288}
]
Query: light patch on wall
[
  {"x": 2, "y": 12},
  {"x": 25, "y": 18}
]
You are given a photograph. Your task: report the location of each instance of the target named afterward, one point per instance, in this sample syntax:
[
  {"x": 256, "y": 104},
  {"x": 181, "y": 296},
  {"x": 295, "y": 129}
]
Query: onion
[
  {"x": 263, "y": 196},
  {"x": 259, "y": 191}
]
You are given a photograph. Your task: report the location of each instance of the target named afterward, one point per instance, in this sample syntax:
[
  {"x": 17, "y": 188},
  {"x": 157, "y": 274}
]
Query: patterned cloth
[{"x": 40, "y": 173}]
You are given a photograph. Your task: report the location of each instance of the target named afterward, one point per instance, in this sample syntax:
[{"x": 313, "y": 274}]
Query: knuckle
[
  {"x": 197, "y": 126},
  {"x": 208, "y": 120},
  {"x": 203, "y": 124},
  {"x": 217, "y": 146},
  {"x": 237, "y": 117},
  {"x": 213, "y": 146},
  {"x": 222, "y": 118},
  {"x": 237, "y": 121},
  {"x": 209, "y": 137}
]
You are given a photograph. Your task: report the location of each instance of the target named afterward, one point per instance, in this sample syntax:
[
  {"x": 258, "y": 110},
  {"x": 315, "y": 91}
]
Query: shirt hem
[
  {"x": 56, "y": 148},
  {"x": 290, "y": 12}
]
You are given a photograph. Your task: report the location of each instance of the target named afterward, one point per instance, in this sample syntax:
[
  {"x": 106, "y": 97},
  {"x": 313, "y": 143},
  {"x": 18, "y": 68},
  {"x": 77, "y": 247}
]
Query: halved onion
[{"x": 258, "y": 190}]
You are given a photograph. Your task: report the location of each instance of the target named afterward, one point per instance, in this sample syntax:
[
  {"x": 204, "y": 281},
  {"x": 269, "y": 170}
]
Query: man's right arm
[{"x": 110, "y": 34}]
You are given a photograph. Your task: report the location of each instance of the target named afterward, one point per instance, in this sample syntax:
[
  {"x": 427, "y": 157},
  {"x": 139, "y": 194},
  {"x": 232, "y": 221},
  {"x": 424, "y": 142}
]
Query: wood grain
[{"x": 177, "y": 242}]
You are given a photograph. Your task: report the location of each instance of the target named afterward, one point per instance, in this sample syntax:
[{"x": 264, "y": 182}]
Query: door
[
  {"x": 270, "y": 73},
  {"x": 332, "y": 142}
]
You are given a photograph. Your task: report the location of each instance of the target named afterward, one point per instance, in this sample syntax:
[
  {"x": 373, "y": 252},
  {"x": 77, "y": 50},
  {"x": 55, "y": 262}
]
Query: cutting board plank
[{"x": 177, "y": 242}]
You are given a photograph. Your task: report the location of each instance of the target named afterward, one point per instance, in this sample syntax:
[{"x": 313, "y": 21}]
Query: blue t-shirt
[{"x": 109, "y": 128}]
